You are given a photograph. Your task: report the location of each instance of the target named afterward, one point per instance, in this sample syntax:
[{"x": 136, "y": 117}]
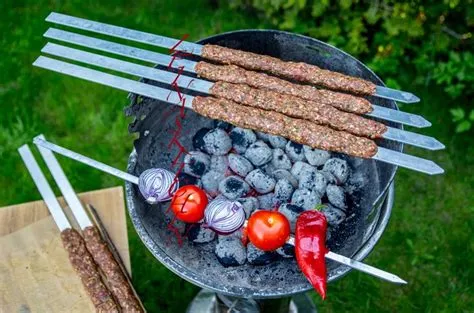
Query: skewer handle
[{"x": 86, "y": 160}]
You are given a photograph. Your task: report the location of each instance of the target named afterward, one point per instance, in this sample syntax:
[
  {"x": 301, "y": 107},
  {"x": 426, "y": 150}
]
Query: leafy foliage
[{"x": 432, "y": 39}]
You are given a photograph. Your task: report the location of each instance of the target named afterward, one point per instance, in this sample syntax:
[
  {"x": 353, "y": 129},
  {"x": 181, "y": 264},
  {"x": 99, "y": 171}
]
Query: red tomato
[
  {"x": 189, "y": 203},
  {"x": 268, "y": 230}
]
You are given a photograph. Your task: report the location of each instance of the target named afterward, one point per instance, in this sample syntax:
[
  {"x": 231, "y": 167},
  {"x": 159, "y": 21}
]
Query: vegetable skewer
[
  {"x": 304, "y": 72},
  {"x": 106, "y": 168}
]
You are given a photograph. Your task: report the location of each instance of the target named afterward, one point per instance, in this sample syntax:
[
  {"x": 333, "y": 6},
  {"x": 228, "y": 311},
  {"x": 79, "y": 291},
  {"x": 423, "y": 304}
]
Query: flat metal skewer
[
  {"x": 189, "y": 47},
  {"x": 357, "y": 265},
  {"x": 45, "y": 145},
  {"x": 172, "y": 97},
  {"x": 44, "y": 188},
  {"x": 203, "y": 86},
  {"x": 65, "y": 187},
  {"x": 189, "y": 66}
]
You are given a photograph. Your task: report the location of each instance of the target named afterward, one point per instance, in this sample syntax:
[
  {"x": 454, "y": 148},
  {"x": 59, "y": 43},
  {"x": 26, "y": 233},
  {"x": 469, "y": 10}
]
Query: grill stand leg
[{"x": 210, "y": 302}]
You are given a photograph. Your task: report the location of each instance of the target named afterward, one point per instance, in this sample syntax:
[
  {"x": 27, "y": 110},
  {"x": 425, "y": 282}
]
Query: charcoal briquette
[
  {"x": 280, "y": 160},
  {"x": 242, "y": 138},
  {"x": 260, "y": 181},
  {"x": 217, "y": 142},
  {"x": 196, "y": 163},
  {"x": 233, "y": 187},
  {"x": 339, "y": 168},
  {"x": 305, "y": 198},
  {"x": 316, "y": 157},
  {"x": 239, "y": 164}
]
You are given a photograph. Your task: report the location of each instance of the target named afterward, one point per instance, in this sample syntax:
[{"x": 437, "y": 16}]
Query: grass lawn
[{"x": 428, "y": 241}]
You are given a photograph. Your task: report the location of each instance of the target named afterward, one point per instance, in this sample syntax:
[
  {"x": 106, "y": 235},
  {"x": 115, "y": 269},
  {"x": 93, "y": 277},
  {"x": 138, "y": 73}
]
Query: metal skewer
[
  {"x": 65, "y": 187},
  {"x": 203, "y": 86},
  {"x": 44, "y": 188},
  {"x": 383, "y": 154},
  {"x": 46, "y": 145},
  {"x": 189, "y": 66},
  {"x": 103, "y": 256},
  {"x": 189, "y": 47},
  {"x": 357, "y": 265}
]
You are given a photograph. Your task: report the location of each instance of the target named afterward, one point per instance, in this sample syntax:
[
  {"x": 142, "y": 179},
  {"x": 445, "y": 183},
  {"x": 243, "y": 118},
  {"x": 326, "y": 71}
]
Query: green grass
[{"x": 428, "y": 241}]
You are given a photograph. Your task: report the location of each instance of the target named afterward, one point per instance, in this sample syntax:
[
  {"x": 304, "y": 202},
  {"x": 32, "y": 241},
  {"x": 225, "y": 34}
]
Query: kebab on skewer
[
  {"x": 80, "y": 258},
  {"x": 262, "y": 98},
  {"x": 301, "y": 131},
  {"x": 292, "y": 70},
  {"x": 119, "y": 284},
  {"x": 231, "y": 73}
]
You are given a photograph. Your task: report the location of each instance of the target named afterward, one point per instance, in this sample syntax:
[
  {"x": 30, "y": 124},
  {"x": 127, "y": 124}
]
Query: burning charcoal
[
  {"x": 256, "y": 256},
  {"x": 336, "y": 196},
  {"x": 250, "y": 204},
  {"x": 313, "y": 180},
  {"x": 291, "y": 212},
  {"x": 277, "y": 141},
  {"x": 294, "y": 151},
  {"x": 356, "y": 181},
  {"x": 230, "y": 251},
  {"x": 267, "y": 201},
  {"x": 287, "y": 251},
  {"x": 331, "y": 179},
  {"x": 242, "y": 138},
  {"x": 300, "y": 167},
  {"x": 198, "y": 138},
  {"x": 333, "y": 215},
  {"x": 222, "y": 125},
  {"x": 260, "y": 181},
  {"x": 186, "y": 179},
  {"x": 219, "y": 163},
  {"x": 263, "y": 136},
  {"x": 199, "y": 234},
  {"x": 259, "y": 153},
  {"x": 239, "y": 165},
  {"x": 284, "y": 174},
  {"x": 233, "y": 187},
  {"x": 316, "y": 157},
  {"x": 210, "y": 182},
  {"x": 339, "y": 168},
  {"x": 306, "y": 198},
  {"x": 268, "y": 169},
  {"x": 217, "y": 142},
  {"x": 196, "y": 163},
  {"x": 280, "y": 160},
  {"x": 283, "y": 190}
]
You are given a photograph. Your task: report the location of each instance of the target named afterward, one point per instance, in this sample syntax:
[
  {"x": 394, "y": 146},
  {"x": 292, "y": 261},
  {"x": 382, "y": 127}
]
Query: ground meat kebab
[
  {"x": 296, "y": 107},
  {"x": 116, "y": 279},
  {"x": 292, "y": 70},
  {"x": 238, "y": 75},
  {"x": 87, "y": 270},
  {"x": 300, "y": 131}
]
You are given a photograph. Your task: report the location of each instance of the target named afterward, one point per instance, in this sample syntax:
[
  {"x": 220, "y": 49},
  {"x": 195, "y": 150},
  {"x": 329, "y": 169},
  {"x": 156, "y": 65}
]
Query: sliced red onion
[
  {"x": 224, "y": 216},
  {"x": 155, "y": 184}
]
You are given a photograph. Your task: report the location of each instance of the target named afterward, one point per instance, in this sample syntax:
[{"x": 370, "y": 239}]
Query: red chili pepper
[{"x": 310, "y": 248}]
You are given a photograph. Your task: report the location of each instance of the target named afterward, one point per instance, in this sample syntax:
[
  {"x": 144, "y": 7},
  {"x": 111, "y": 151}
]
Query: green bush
[{"x": 430, "y": 40}]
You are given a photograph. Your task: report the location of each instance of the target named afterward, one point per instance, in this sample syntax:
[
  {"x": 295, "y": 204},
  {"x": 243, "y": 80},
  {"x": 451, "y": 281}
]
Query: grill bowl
[{"x": 155, "y": 122}]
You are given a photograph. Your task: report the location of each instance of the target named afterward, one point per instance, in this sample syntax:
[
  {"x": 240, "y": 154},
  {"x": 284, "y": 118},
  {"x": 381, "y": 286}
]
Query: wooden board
[{"x": 35, "y": 274}]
